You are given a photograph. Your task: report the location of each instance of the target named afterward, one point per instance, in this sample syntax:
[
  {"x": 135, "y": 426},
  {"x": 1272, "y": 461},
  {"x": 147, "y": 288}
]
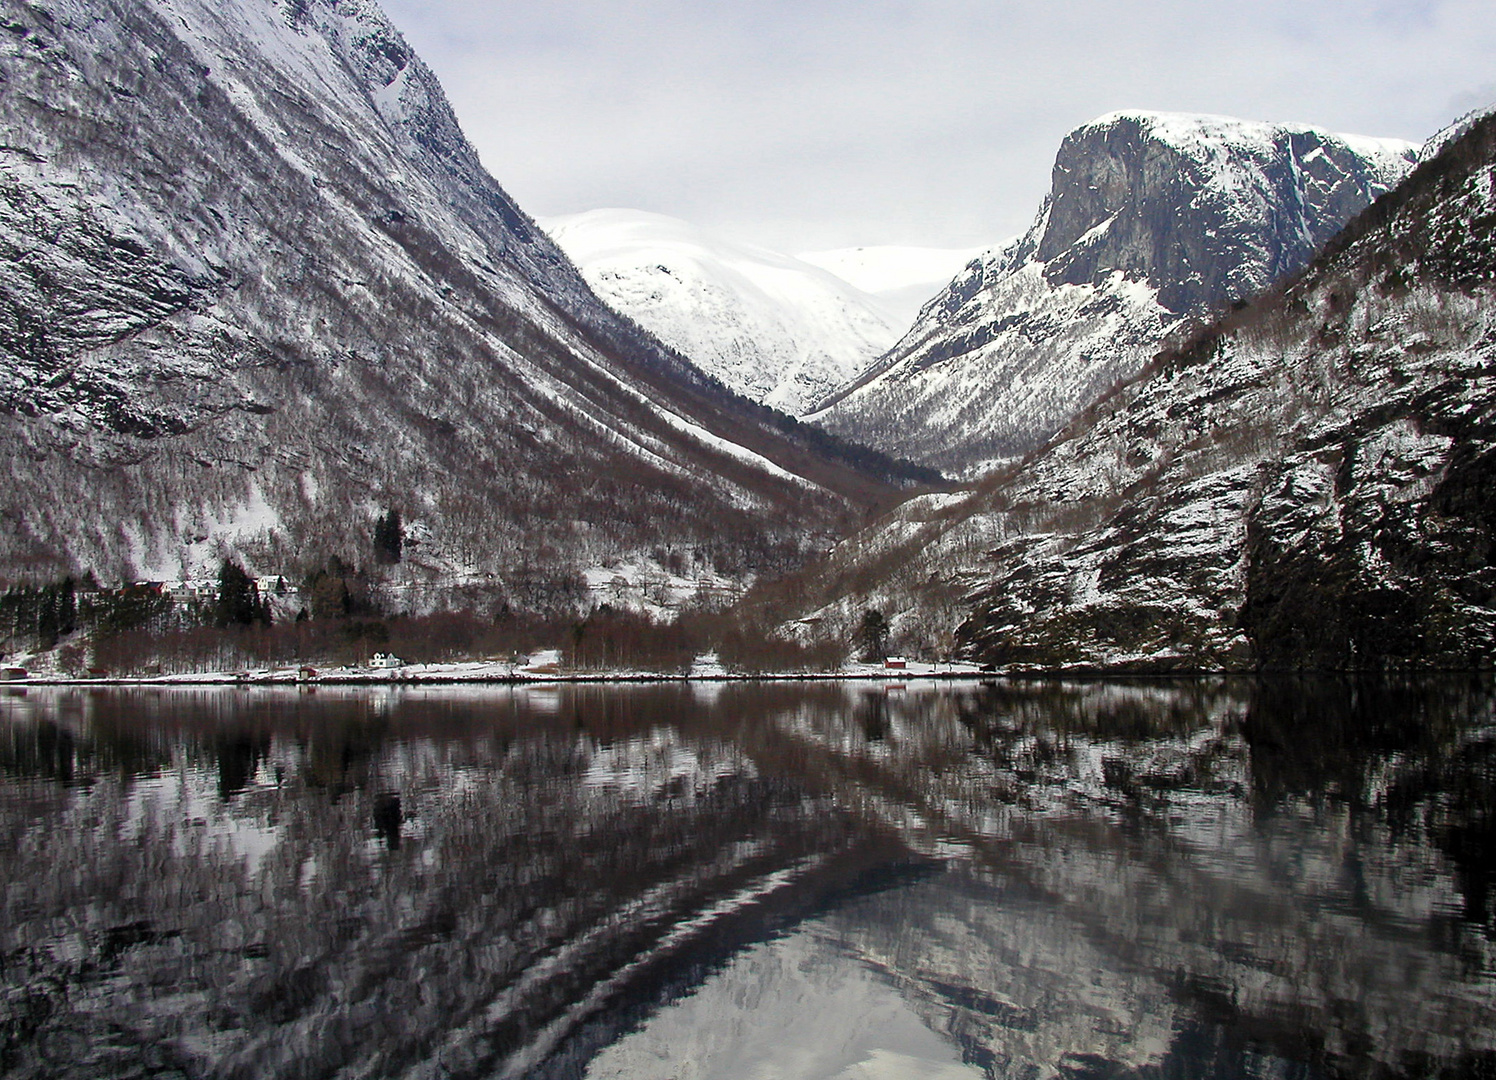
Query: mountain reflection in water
[{"x": 1076, "y": 879}]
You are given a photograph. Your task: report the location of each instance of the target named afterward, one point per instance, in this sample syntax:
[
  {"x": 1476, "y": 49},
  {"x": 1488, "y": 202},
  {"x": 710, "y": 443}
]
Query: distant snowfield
[
  {"x": 904, "y": 278},
  {"x": 772, "y": 327}
]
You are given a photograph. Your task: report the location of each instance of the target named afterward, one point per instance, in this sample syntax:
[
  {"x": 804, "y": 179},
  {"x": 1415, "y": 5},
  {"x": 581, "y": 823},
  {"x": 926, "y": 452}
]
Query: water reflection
[{"x": 820, "y": 880}]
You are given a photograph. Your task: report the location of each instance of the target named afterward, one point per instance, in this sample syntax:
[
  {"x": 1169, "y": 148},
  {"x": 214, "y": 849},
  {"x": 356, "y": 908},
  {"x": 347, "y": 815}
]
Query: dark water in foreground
[{"x": 751, "y": 881}]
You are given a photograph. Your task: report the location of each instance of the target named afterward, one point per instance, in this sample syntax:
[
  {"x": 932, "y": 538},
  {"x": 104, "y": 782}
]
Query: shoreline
[{"x": 495, "y": 674}]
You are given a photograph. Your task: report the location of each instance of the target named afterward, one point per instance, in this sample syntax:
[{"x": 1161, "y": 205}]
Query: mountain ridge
[
  {"x": 780, "y": 331},
  {"x": 1299, "y": 485},
  {"x": 258, "y": 288},
  {"x": 1152, "y": 219},
  {"x": 903, "y": 277}
]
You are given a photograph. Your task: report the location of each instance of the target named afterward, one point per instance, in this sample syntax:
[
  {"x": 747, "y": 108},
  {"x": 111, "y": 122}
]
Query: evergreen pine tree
[
  {"x": 389, "y": 537},
  {"x": 67, "y": 606},
  {"x": 872, "y": 635},
  {"x": 238, "y": 601},
  {"x": 48, "y": 618}
]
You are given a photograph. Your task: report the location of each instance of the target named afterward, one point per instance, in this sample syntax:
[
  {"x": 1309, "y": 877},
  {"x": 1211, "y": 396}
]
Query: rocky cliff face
[
  {"x": 257, "y": 286},
  {"x": 1301, "y": 485},
  {"x": 1152, "y": 219}
]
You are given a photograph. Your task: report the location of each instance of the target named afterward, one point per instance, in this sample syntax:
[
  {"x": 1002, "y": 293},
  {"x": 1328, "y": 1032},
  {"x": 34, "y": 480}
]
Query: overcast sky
[{"x": 802, "y": 125}]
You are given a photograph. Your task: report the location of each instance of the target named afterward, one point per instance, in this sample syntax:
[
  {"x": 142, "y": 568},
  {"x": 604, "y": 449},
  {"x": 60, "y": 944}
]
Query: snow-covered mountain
[
  {"x": 1305, "y": 483},
  {"x": 1152, "y": 220},
  {"x": 904, "y": 278},
  {"x": 256, "y": 287},
  {"x": 773, "y": 328}
]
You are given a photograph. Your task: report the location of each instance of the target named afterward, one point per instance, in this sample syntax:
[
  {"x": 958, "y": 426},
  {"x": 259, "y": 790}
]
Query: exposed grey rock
[
  {"x": 1305, "y": 484},
  {"x": 1152, "y": 220}
]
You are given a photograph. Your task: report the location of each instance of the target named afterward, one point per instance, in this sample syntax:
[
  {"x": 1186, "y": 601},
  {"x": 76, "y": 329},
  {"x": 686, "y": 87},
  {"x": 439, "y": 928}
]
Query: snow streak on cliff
[{"x": 1152, "y": 219}]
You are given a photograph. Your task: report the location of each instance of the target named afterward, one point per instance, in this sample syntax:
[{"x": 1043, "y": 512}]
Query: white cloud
[{"x": 814, "y": 125}]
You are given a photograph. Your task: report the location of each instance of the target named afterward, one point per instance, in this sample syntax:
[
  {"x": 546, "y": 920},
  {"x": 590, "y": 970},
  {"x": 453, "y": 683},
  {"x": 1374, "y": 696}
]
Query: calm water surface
[{"x": 1071, "y": 880}]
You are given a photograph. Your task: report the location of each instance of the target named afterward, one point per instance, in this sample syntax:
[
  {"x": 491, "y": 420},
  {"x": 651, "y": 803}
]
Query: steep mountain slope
[
  {"x": 771, "y": 327},
  {"x": 1307, "y": 483},
  {"x": 1439, "y": 140},
  {"x": 1152, "y": 219},
  {"x": 905, "y": 279},
  {"x": 256, "y": 286}
]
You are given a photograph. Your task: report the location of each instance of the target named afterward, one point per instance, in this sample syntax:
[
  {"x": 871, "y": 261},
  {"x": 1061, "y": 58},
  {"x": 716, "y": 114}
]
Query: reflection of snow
[
  {"x": 707, "y": 693},
  {"x": 538, "y": 699},
  {"x": 183, "y": 808},
  {"x": 660, "y": 765},
  {"x": 791, "y": 1008},
  {"x": 707, "y": 666}
]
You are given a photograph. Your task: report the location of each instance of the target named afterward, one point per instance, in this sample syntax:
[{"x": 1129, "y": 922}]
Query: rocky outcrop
[
  {"x": 1152, "y": 220},
  {"x": 1298, "y": 486},
  {"x": 1295, "y": 488}
]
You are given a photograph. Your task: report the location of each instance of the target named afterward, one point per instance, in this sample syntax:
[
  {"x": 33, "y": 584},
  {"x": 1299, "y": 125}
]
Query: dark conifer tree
[
  {"x": 389, "y": 537},
  {"x": 238, "y": 601},
  {"x": 48, "y": 618},
  {"x": 67, "y": 606},
  {"x": 872, "y": 635}
]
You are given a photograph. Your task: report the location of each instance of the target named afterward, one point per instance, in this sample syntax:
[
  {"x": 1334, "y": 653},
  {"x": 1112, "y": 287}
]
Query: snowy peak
[
  {"x": 1207, "y": 209},
  {"x": 1152, "y": 218},
  {"x": 771, "y": 327},
  {"x": 616, "y": 233}
]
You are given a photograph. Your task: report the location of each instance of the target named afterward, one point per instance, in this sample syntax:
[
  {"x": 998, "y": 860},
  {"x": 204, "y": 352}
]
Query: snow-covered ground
[
  {"x": 772, "y": 327},
  {"x": 542, "y": 666}
]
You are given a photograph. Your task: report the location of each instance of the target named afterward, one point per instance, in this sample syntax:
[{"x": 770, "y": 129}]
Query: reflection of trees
[
  {"x": 1309, "y": 736},
  {"x": 250, "y": 897},
  {"x": 278, "y": 884},
  {"x": 1232, "y": 862},
  {"x": 43, "y": 751},
  {"x": 870, "y": 713},
  {"x": 1443, "y": 789},
  {"x": 75, "y": 744},
  {"x": 239, "y": 754}
]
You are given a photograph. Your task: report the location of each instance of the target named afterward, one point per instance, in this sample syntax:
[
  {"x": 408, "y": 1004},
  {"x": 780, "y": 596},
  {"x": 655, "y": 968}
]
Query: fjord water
[{"x": 1072, "y": 879}]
